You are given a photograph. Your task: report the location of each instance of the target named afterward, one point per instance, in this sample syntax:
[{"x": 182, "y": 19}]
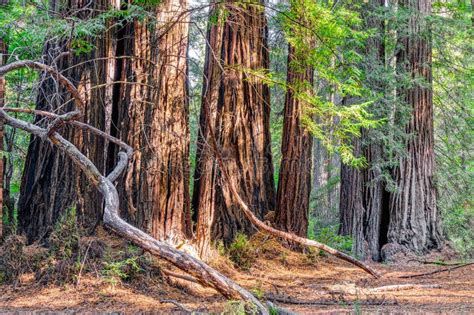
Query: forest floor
[{"x": 294, "y": 281}]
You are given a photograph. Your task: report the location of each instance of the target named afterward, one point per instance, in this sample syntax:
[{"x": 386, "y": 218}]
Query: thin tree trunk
[
  {"x": 3, "y": 52},
  {"x": 414, "y": 217},
  {"x": 239, "y": 105},
  {"x": 294, "y": 184}
]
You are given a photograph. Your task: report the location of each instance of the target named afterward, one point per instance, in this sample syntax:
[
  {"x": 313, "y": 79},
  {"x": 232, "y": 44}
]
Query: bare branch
[{"x": 80, "y": 104}]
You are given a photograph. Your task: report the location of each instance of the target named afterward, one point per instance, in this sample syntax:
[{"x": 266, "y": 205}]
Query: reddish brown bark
[
  {"x": 153, "y": 118},
  {"x": 51, "y": 183},
  {"x": 294, "y": 183},
  {"x": 239, "y": 107},
  {"x": 414, "y": 217},
  {"x": 363, "y": 200}
]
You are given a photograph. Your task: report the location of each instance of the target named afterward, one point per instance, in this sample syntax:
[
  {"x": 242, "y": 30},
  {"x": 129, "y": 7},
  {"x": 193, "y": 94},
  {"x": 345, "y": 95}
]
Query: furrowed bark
[
  {"x": 195, "y": 267},
  {"x": 3, "y": 52},
  {"x": 232, "y": 193},
  {"x": 240, "y": 109},
  {"x": 414, "y": 217},
  {"x": 152, "y": 116},
  {"x": 294, "y": 184}
]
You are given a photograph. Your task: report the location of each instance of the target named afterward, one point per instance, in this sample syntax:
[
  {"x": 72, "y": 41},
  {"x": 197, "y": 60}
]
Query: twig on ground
[
  {"x": 290, "y": 300},
  {"x": 399, "y": 287},
  {"x": 435, "y": 272},
  {"x": 179, "y": 305},
  {"x": 179, "y": 276},
  {"x": 82, "y": 265}
]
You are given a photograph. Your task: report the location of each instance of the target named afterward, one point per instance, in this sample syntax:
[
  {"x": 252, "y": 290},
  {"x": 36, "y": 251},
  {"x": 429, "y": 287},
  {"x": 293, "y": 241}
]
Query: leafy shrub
[
  {"x": 117, "y": 271},
  {"x": 63, "y": 260},
  {"x": 329, "y": 236},
  {"x": 241, "y": 252},
  {"x": 239, "y": 308}
]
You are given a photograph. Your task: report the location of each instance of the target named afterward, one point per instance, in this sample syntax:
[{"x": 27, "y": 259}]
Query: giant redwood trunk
[
  {"x": 152, "y": 117},
  {"x": 363, "y": 200},
  {"x": 50, "y": 183},
  {"x": 294, "y": 183},
  {"x": 134, "y": 83},
  {"x": 236, "y": 103},
  {"x": 414, "y": 217}
]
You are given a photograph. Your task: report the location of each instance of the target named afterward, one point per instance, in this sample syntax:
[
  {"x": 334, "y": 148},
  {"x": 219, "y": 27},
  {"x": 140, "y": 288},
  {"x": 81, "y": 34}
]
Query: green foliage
[
  {"x": 329, "y": 236},
  {"x": 453, "y": 85},
  {"x": 239, "y": 308},
  {"x": 258, "y": 293},
  {"x": 326, "y": 40},
  {"x": 115, "y": 272},
  {"x": 64, "y": 240},
  {"x": 241, "y": 252}
]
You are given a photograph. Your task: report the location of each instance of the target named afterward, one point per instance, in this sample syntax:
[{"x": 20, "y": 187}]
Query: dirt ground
[{"x": 294, "y": 281}]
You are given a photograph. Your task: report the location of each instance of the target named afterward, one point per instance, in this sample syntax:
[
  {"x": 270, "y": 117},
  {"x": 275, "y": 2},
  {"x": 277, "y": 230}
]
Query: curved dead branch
[
  {"x": 193, "y": 266},
  {"x": 260, "y": 225},
  {"x": 201, "y": 271},
  {"x": 80, "y": 104}
]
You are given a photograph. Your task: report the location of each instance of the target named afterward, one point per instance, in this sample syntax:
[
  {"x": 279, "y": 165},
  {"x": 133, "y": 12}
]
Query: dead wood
[
  {"x": 400, "y": 287},
  {"x": 435, "y": 271},
  {"x": 291, "y": 300},
  {"x": 197, "y": 268},
  {"x": 179, "y": 276},
  {"x": 293, "y": 238}
]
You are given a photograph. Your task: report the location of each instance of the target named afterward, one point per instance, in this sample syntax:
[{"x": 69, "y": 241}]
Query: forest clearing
[{"x": 236, "y": 157}]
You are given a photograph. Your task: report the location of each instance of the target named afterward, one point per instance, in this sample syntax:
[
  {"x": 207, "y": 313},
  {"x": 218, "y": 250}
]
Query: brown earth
[{"x": 295, "y": 281}]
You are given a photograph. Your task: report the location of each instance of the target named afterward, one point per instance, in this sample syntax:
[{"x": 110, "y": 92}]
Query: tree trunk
[
  {"x": 294, "y": 184},
  {"x": 51, "y": 183},
  {"x": 152, "y": 116},
  {"x": 3, "y": 52},
  {"x": 239, "y": 107},
  {"x": 414, "y": 218},
  {"x": 364, "y": 202}
]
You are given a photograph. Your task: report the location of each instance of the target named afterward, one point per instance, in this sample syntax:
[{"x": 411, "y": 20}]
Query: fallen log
[
  {"x": 290, "y": 300},
  {"x": 400, "y": 287}
]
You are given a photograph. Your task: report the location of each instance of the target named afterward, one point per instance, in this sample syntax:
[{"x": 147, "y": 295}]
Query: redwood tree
[
  {"x": 236, "y": 103},
  {"x": 414, "y": 217},
  {"x": 152, "y": 116},
  {"x": 363, "y": 200},
  {"x": 294, "y": 182},
  {"x": 134, "y": 84},
  {"x": 51, "y": 184}
]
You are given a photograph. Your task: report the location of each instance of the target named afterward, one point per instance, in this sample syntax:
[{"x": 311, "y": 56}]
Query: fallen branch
[
  {"x": 290, "y": 300},
  {"x": 229, "y": 184},
  {"x": 80, "y": 104},
  {"x": 439, "y": 263},
  {"x": 179, "y": 276},
  {"x": 400, "y": 287},
  {"x": 179, "y": 305},
  {"x": 201, "y": 271},
  {"x": 435, "y": 272}
]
